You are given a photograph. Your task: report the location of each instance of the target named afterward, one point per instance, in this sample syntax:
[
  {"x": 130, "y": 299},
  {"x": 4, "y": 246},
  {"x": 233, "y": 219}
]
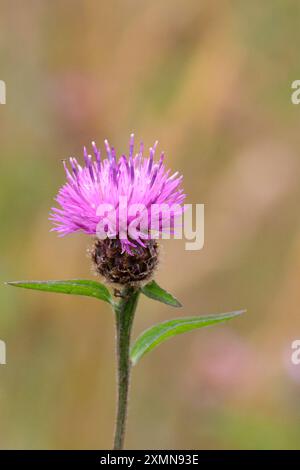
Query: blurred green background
[{"x": 211, "y": 81}]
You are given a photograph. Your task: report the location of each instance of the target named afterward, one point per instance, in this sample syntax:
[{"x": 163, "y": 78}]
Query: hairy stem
[{"x": 124, "y": 319}]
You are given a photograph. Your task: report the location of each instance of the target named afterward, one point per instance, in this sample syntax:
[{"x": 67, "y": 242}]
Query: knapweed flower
[{"x": 126, "y": 202}]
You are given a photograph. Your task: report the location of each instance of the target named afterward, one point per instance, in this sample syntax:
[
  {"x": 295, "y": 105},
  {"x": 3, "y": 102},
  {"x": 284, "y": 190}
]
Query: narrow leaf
[
  {"x": 154, "y": 291},
  {"x": 155, "y": 335},
  {"x": 73, "y": 286}
]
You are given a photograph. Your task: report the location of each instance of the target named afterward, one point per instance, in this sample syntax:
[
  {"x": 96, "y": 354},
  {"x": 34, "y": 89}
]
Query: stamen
[
  {"x": 73, "y": 165},
  {"x": 113, "y": 155},
  {"x": 173, "y": 176},
  {"x": 131, "y": 145},
  {"x": 97, "y": 153},
  {"x": 69, "y": 176},
  {"x": 150, "y": 160},
  {"x": 155, "y": 171},
  {"x": 85, "y": 155},
  {"x": 162, "y": 157},
  {"x": 125, "y": 161},
  {"x": 131, "y": 170},
  {"x": 141, "y": 147},
  {"x": 90, "y": 167},
  {"x": 108, "y": 150}
]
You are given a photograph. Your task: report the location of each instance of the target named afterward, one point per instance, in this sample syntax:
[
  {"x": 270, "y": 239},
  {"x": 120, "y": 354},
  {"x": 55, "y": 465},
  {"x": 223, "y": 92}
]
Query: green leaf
[
  {"x": 155, "y": 335},
  {"x": 73, "y": 286},
  {"x": 154, "y": 291}
]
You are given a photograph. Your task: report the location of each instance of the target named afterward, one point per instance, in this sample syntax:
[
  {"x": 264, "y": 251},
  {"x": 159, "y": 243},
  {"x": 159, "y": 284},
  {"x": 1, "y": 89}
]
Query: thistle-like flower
[{"x": 127, "y": 202}]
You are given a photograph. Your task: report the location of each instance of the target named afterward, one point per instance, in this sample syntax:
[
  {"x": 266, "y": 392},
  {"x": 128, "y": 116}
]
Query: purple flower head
[{"x": 133, "y": 198}]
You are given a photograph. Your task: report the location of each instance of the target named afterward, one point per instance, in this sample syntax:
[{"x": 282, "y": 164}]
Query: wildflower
[{"x": 125, "y": 250}]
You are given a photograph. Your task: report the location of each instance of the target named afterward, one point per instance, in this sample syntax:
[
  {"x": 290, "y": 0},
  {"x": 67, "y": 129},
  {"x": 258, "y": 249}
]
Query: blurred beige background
[{"x": 211, "y": 81}]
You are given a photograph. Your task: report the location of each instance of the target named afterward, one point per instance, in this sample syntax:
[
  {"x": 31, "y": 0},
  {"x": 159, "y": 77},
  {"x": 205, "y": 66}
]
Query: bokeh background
[{"x": 211, "y": 81}]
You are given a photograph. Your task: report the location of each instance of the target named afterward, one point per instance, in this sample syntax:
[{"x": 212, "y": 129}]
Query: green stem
[{"x": 124, "y": 311}]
